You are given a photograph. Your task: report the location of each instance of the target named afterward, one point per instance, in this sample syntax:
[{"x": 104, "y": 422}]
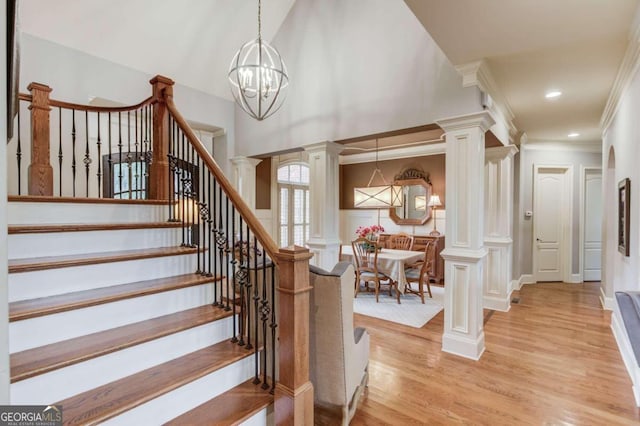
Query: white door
[
  {"x": 551, "y": 203},
  {"x": 592, "y": 225}
]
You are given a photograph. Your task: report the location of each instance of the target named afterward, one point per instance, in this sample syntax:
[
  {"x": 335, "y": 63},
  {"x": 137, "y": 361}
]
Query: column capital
[
  {"x": 500, "y": 152},
  {"x": 240, "y": 161},
  {"x": 483, "y": 119},
  {"x": 326, "y": 146}
]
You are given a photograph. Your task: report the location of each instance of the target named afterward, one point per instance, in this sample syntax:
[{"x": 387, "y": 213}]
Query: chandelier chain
[{"x": 259, "y": 19}]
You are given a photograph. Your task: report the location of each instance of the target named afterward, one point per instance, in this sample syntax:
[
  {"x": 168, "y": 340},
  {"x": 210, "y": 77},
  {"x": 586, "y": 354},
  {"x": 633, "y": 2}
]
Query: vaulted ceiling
[{"x": 530, "y": 46}]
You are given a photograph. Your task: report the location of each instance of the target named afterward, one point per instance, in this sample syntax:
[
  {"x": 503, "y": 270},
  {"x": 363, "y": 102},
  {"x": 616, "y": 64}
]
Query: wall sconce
[{"x": 434, "y": 202}]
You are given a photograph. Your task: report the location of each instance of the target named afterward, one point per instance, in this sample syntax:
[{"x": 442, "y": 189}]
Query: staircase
[{"x": 109, "y": 320}]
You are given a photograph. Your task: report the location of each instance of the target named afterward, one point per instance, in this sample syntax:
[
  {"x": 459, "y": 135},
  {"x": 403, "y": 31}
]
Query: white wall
[
  {"x": 356, "y": 67},
  {"x": 531, "y": 155},
  {"x": 4, "y": 305},
  {"x": 77, "y": 77},
  {"x": 623, "y": 135}
]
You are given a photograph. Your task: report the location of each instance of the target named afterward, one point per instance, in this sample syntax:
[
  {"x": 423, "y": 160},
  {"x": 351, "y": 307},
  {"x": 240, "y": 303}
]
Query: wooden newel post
[
  {"x": 294, "y": 391},
  {"x": 40, "y": 170},
  {"x": 159, "y": 171}
]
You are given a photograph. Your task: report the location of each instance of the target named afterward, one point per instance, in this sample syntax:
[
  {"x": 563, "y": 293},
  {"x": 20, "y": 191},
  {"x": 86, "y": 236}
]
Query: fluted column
[
  {"x": 464, "y": 251},
  {"x": 498, "y": 225},
  {"x": 324, "y": 238}
]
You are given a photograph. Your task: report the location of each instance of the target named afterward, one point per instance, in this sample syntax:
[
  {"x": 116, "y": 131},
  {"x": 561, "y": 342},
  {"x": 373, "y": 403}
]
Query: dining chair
[
  {"x": 400, "y": 241},
  {"x": 365, "y": 253},
  {"x": 419, "y": 272}
]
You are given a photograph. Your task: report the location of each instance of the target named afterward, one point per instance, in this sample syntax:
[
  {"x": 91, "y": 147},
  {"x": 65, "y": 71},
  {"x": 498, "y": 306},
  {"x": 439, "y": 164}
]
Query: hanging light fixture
[
  {"x": 377, "y": 197},
  {"x": 258, "y": 77}
]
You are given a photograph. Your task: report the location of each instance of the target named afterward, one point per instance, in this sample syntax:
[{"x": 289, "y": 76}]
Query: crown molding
[
  {"x": 626, "y": 72},
  {"x": 483, "y": 119},
  {"x": 394, "y": 154},
  {"x": 577, "y": 146},
  {"x": 478, "y": 73}
]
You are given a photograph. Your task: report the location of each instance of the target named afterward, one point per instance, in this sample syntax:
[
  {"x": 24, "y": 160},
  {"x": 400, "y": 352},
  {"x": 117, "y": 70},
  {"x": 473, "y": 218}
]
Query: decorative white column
[
  {"x": 498, "y": 225},
  {"x": 464, "y": 244},
  {"x": 324, "y": 238},
  {"x": 244, "y": 178}
]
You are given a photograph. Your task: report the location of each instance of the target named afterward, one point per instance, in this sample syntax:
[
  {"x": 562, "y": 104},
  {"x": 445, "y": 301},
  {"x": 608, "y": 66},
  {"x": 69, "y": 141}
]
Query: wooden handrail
[
  {"x": 250, "y": 218},
  {"x": 90, "y": 108}
]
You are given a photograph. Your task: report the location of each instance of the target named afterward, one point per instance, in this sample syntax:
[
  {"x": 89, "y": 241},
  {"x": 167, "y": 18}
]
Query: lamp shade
[
  {"x": 434, "y": 201},
  {"x": 373, "y": 197}
]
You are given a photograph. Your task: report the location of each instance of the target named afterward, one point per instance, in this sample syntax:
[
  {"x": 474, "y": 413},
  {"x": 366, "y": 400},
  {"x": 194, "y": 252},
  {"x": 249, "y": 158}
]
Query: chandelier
[
  {"x": 377, "y": 197},
  {"x": 258, "y": 77}
]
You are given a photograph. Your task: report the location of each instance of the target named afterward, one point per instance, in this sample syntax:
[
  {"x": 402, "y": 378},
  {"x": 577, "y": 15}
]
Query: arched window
[{"x": 293, "y": 202}]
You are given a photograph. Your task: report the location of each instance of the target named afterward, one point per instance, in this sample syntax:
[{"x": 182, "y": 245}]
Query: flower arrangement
[{"x": 369, "y": 232}]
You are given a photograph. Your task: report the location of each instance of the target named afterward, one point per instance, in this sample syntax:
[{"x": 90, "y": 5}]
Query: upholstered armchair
[{"x": 339, "y": 354}]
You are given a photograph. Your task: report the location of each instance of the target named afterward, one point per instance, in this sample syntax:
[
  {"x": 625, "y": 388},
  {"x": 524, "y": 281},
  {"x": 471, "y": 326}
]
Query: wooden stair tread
[
  {"x": 112, "y": 399},
  {"x": 230, "y": 408},
  {"x": 51, "y": 199},
  {"x": 32, "y": 362},
  {"x": 70, "y": 227},
  {"x": 51, "y": 262},
  {"x": 32, "y": 308}
]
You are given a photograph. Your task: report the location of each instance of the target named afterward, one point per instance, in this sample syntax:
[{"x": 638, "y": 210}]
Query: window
[
  {"x": 293, "y": 203},
  {"x": 125, "y": 175}
]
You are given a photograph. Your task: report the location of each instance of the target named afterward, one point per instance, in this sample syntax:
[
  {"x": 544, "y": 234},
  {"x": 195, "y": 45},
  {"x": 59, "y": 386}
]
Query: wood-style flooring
[{"x": 551, "y": 360}]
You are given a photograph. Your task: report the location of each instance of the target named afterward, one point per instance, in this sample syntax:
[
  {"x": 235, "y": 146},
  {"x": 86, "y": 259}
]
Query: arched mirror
[{"x": 416, "y": 191}]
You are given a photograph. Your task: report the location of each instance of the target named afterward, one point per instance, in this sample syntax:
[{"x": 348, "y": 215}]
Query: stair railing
[{"x": 151, "y": 147}]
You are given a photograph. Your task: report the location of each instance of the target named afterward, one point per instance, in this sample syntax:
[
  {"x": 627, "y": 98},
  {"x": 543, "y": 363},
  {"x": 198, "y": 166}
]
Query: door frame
[
  {"x": 583, "y": 176},
  {"x": 567, "y": 217}
]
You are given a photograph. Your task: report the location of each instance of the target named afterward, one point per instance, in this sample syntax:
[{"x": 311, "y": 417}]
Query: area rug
[{"x": 409, "y": 312}]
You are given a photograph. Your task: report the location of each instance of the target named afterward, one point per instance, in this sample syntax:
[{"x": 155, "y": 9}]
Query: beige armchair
[{"x": 339, "y": 354}]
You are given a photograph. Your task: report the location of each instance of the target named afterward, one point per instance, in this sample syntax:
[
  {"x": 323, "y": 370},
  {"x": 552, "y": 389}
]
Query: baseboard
[
  {"x": 461, "y": 346},
  {"x": 606, "y": 302},
  {"x": 496, "y": 303},
  {"x": 624, "y": 346},
  {"x": 515, "y": 285},
  {"x": 575, "y": 279},
  {"x": 527, "y": 279}
]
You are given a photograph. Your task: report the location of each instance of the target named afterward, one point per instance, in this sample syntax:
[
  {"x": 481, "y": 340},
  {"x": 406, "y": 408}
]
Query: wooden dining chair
[
  {"x": 400, "y": 241},
  {"x": 419, "y": 272},
  {"x": 365, "y": 253}
]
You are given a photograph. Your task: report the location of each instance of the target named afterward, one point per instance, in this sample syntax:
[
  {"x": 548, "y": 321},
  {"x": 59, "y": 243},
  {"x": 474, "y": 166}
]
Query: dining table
[{"x": 391, "y": 262}]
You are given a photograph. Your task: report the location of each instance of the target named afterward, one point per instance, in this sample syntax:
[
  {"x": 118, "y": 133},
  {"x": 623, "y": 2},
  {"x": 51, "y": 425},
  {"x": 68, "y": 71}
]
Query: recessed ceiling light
[
  {"x": 573, "y": 135},
  {"x": 553, "y": 94}
]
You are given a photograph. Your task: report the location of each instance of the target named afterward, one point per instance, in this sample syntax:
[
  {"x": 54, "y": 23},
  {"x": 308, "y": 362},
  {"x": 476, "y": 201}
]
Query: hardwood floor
[{"x": 552, "y": 359}]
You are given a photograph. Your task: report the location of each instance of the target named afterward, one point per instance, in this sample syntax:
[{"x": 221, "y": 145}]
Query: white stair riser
[
  {"x": 261, "y": 418},
  {"x": 31, "y": 285},
  {"x": 25, "y": 213},
  {"x": 66, "y": 243},
  {"x": 34, "y": 332},
  {"x": 65, "y": 382},
  {"x": 187, "y": 397}
]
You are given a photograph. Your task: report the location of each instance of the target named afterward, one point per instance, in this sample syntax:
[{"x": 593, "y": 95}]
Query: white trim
[
  {"x": 497, "y": 303},
  {"x": 394, "y": 154},
  {"x": 583, "y": 177},
  {"x": 467, "y": 348},
  {"x": 566, "y": 245},
  {"x": 527, "y": 279},
  {"x": 606, "y": 302},
  {"x": 626, "y": 73},
  {"x": 574, "y": 146},
  {"x": 624, "y": 346},
  {"x": 575, "y": 279}
]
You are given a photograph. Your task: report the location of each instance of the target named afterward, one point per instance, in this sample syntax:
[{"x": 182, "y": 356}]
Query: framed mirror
[{"x": 416, "y": 191}]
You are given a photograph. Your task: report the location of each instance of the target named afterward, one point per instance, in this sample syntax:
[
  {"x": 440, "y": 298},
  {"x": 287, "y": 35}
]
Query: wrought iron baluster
[
  {"x": 247, "y": 284},
  {"x": 231, "y": 295},
  {"x": 100, "y": 194},
  {"x": 129, "y": 159},
  {"x": 226, "y": 250},
  {"x": 19, "y": 154},
  {"x": 273, "y": 326},
  {"x": 264, "y": 317},
  {"x": 211, "y": 252},
  {"x": 138, "y": 163},
  {"x": 120, "y": 154},
  {"x": 256, "y": 318},
  {"x": 87, "y": 158},
  {"x": 240, "y": 280},
  {"x": 73, "y": 146},
  {"x": 59, "y": 151},
  {"x": 110, "y": 159},
  {"x": 183, "y": 171}
]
